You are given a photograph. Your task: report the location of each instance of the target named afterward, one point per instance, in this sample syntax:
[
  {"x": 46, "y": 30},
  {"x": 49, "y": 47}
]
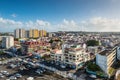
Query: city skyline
[{"x": 60, "y": 15}]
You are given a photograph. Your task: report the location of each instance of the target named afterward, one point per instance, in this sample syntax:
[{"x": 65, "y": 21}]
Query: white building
[
  {"x": 19, "y": 33},
  {"x": 93, "y": 49},
  {"x": 105, "y": 59},
  {"x": 118, "y": 53},
  {"x": 58, "y": 56},
  {"x": 7, "y": 42},
  {"x": 1, "y": 37},
  {"x": 75, "y": 58}
]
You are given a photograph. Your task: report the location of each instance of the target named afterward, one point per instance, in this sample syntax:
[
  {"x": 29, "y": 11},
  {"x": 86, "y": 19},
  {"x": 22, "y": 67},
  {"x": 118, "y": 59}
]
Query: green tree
[
  {"x": 92, "y": 43},
  {"x": 51, "y": 41}
]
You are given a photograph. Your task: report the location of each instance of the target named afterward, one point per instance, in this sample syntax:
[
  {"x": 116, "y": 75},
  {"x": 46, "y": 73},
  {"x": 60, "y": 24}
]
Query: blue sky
[{"x": 55, "y": 15}]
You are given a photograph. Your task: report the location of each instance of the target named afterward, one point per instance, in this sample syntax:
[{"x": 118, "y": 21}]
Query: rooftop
[{"x": 107, "y": 51}]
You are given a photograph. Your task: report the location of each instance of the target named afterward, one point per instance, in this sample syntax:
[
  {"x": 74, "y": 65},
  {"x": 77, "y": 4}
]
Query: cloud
[
  {"x": 14, "y": 15},
  {"x": 8, "y": 25},
  {"x": 92, "y": 24},
  {"x": 68, "y": 25},
  {"x": 101, "y": 24}
]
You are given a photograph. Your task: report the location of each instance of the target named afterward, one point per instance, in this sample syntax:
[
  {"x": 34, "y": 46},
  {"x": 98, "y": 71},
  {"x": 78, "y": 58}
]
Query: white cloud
[
  {"x": 102, "y": 24},
  {"x": 42, "y": 23},
  {"x": 68, "y": 25},
  {"x": 14, "y": 15},
  {"x": 92, "y": 24},
  {"x": 9, "y": 25}
]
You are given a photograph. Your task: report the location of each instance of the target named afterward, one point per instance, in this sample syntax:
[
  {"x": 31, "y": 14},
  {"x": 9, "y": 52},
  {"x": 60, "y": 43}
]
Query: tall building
[
  {"x": 33, "y": 33},
  {"x": 19, "y": 33},
  {"x": 7, "y": 42},
  {"x": 27, "y": 34},
  {"x": 106, "y": 59},
  {"x": 16, "y": 33},
  {"x": 42, "y": 33},
  {"x": 30, "y": 33}
]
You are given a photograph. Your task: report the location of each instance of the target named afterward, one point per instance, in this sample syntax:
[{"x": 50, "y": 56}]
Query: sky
[{"x": 60, "y": 15}]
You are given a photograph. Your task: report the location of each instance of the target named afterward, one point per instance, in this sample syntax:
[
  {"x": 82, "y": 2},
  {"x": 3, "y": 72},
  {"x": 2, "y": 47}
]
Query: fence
[{"x": 61, "y": 73}]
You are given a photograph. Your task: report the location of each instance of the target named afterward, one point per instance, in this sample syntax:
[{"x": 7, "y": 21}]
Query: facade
[
  {"x": 27, "y": 34},
  {"x": 74, "y": 58},
  {"x": 49, "y": 34},
  {"x": 106, "y": 59},
  {"x": 118, "y": 53},
  {"x": 16, "y": 33},
  {"x": 42, "y": 33},
  {"x": 33, "y": 33},
  {"x": 7, "y": 42},
  {"x": 1, "y": 37},
  {"x": 29, "y": 47},
  {"x": 19, "y": 33}
]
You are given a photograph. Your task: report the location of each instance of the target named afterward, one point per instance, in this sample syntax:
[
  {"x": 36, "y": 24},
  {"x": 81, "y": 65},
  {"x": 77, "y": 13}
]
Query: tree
[
  {"x": 51, "y": 41},
  {"x": 92, "y": 43}
]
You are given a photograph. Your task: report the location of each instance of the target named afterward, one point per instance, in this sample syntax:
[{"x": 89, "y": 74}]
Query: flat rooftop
[{"x": 107, "y": 51}]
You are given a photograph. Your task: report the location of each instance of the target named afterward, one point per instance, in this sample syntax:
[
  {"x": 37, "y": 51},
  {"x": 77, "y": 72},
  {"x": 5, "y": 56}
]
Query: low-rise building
[
  {"x": 28, "y": 47},
  {"x": 75, "y": 58}
]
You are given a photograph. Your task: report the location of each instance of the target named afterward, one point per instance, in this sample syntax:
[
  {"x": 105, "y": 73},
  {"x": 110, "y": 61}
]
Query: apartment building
[
  {"x": 57, "y": 55},
  {"x": 27, "y": 34},
  {"x": 29, "y": 47},
  {"x": 118, "y": 53},
  {"x": 74, "y": 58},
  {"x": 19, "y": 33},
  {"x": 106, "y": 58},
  {"x": 42, "y": 33},
  {"x": 7, "y": 42},
  {"x": 33, "y": 33}
]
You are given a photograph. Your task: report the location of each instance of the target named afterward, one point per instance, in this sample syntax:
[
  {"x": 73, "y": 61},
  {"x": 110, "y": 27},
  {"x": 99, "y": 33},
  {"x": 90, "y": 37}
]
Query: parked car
[
  {"x": 12, "y": 78},
  {"x": 18, "y": 75},
  {"x": 1, "y": 75}
]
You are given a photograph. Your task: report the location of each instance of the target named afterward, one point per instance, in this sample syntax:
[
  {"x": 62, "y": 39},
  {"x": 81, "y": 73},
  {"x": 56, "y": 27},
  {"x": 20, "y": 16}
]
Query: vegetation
[
  {"x": 16, "y": 39},
  {"x": 111, "y": 70},
  {"x": 92, "y": 43},
  {"x": 51, "y": 41},
  {"x": 1, "y": 52},
  {"x": 100, "y": 73},
  {"x": 46, "y": 57},
  {"x": 93, "y": 67}
]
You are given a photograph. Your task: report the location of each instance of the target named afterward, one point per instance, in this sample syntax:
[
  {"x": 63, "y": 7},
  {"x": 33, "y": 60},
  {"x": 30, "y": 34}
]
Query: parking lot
[{"x": 21, "y": 69}]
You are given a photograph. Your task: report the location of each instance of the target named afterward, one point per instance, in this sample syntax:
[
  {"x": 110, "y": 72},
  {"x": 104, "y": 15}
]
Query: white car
[
  {"x": 18, "y": 75},
  {"x": 1, "y": 75},
  {"x": 93, "y": 76},
  {"x": 12, "y": 78}
]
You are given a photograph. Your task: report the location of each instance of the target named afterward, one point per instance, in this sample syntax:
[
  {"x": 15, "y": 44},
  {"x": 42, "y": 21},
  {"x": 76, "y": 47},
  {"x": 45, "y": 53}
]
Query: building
[
  {"x": 1, "y": 37},
  {"x": 16, "y": 33},
  {"x": 118, "y": 53},
  {"x": 105, "y": 59},
  {"x": 27, "y": 34},
  {"x": 33, "y": 33},
  {"x": 117, "y": 75},
  {"x": 49, "y": 34},
  {"x": 72, "y": 57},
  {"x": 42, "y": 33},
  {"x": 19, "y": 33},
  {"x": 7, "y": 42},
  {"x": 28, "y": 47}
]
